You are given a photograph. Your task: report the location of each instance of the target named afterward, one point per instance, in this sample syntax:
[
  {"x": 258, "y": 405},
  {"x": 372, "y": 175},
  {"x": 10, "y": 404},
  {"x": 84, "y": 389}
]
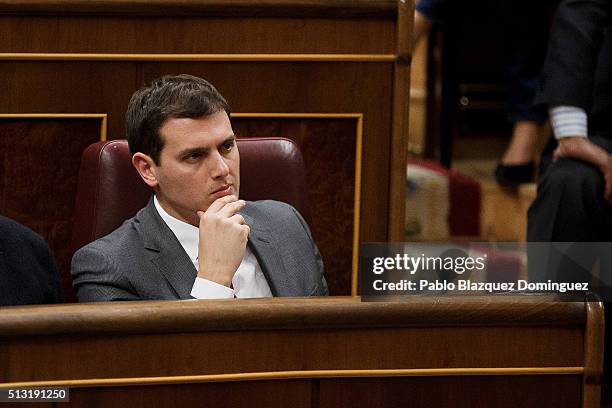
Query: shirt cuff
[
  {"x": 568, "y": 121},
  {"x": 207, "y": 289}
]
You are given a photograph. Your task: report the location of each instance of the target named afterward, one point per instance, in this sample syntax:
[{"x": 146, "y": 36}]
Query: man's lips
[{"x": 223, "y": 191}]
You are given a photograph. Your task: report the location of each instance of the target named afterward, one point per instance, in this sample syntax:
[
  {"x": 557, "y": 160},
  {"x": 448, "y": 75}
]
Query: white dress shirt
[
  {"x": 248, "y": 281},
  {"x": 568, "y": 121}
]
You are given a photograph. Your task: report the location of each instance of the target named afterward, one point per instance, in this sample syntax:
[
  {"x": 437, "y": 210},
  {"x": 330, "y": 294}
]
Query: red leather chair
[{"x": 110, "y": 190}]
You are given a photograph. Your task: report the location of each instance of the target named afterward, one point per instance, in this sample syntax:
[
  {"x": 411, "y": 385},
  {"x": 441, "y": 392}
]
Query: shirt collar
[{"x": 187, "y": 234}]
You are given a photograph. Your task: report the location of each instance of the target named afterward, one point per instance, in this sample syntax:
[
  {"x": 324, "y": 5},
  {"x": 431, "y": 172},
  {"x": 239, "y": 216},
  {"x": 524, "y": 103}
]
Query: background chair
[{"x": 110, "y": 190}]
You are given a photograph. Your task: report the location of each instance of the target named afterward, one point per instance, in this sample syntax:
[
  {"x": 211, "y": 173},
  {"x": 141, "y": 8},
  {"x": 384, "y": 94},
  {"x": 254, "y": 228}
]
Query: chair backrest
[{"x": 110, "y": 190}]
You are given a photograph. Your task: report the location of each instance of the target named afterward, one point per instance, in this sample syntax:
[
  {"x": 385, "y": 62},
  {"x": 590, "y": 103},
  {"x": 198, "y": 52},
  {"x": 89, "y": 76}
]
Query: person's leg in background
[{"x": 525, "y": 28}]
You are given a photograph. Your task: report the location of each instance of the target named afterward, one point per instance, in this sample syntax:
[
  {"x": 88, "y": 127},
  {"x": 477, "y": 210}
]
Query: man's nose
[{"x": 218, "y": 166}]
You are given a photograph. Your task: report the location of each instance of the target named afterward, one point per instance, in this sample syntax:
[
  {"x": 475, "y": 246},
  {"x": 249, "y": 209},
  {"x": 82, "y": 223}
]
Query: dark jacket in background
[
  {"x": 578, "y": 66},
  {"x": 28, "y": 274}
]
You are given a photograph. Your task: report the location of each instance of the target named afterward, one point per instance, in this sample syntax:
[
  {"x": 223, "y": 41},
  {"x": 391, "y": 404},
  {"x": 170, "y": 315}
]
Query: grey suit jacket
[{"x": 143, "y": 260}]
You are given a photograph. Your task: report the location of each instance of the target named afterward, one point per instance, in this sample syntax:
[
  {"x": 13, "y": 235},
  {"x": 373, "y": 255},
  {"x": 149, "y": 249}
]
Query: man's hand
[
  {"x": 223, "y": 239},
  {"x": 583, "y": 149}
]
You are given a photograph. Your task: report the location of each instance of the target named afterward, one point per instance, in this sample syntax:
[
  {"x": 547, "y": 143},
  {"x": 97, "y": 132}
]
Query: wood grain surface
[{"x": 454, "y": 351}]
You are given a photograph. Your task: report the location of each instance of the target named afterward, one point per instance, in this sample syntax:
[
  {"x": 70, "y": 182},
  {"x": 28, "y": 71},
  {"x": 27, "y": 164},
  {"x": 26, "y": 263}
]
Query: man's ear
[{"x": 145, "y": 166}]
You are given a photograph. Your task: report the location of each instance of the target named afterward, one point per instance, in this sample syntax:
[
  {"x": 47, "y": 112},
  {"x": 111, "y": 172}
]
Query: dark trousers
[{"x": 569, "y": 207}]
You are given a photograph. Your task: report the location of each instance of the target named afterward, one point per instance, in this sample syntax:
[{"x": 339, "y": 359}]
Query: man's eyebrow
[
  {"x": 203, "y": 150},
  {"x": 189, "y": 151},
  {"x": 230, "y": 138}
]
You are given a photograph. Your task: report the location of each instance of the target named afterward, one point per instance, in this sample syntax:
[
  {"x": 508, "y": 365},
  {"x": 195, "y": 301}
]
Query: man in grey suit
[{"x": 195, "y": 238}]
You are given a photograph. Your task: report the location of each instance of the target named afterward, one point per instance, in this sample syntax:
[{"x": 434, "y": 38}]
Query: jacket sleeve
[
  {"x": 322, "y": 289},
  {"x": 96, "y": 278},
  {"x": 575, "y": 41}
]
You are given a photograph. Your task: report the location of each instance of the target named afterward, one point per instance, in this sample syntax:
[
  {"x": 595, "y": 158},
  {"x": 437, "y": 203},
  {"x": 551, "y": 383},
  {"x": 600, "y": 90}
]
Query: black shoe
[{"x": 513, "y": 175}]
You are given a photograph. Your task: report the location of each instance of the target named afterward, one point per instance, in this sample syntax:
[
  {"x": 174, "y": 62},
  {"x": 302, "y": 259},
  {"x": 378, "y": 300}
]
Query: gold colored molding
[
  {"x": 102, "y": 116},
  {"x": 358, "y": 163},
  {"x": 357, "y": 210},
  {"x": 30, "y": 56},
  {"x": 593, "y": 353},
  {"x": 400, "y": 122},
  {"x": 299, "y": 115},
  {"x": 290, "y": 375}
]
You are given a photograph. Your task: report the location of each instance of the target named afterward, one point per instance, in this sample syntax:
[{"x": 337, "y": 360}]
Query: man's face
[{"x": 199, "y": 163}]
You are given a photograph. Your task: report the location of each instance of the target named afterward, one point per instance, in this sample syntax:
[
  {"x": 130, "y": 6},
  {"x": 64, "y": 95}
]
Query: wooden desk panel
[
  {"x": 505, "y": 351},
  {"x": 451, "y": 392},
  {"x": 33, "y": 189},
  {"x": 294, "y": 394},
  {"x": 217, "y": 35},
  {"x": 214, "y": 8},
  {"x": 295, "y": 350}
]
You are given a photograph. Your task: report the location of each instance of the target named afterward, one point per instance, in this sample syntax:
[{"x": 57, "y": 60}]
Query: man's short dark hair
[{"x": 171, "y": 96}]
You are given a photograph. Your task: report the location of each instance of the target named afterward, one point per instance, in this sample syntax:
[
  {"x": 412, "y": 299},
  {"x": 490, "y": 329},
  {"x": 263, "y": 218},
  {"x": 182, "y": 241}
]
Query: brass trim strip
[
  {"x": 358, "y": 165},
  {"x": 103, "y": 129},
  {"x": 593, "y": 353},
  {"x": 400, "y": 123},
  {"x": 357, "y": 208},
  {"x": 298, "y": 115},
  {"x": 31, "y": 56},
  {"x": 285, "y": 375},
  {"x": 102, "y": 116}
]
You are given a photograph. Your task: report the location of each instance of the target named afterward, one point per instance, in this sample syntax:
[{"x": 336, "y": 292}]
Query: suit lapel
[
  {"x": 272, "y": 265},
  {"x": 166, "y": 253},
  {"x": 172, "y": 262}
]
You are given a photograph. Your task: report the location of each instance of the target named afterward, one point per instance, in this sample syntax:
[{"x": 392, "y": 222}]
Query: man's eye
[
  {"x": 193, "y": 156},
  {"x": 227, "y": 146}
]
